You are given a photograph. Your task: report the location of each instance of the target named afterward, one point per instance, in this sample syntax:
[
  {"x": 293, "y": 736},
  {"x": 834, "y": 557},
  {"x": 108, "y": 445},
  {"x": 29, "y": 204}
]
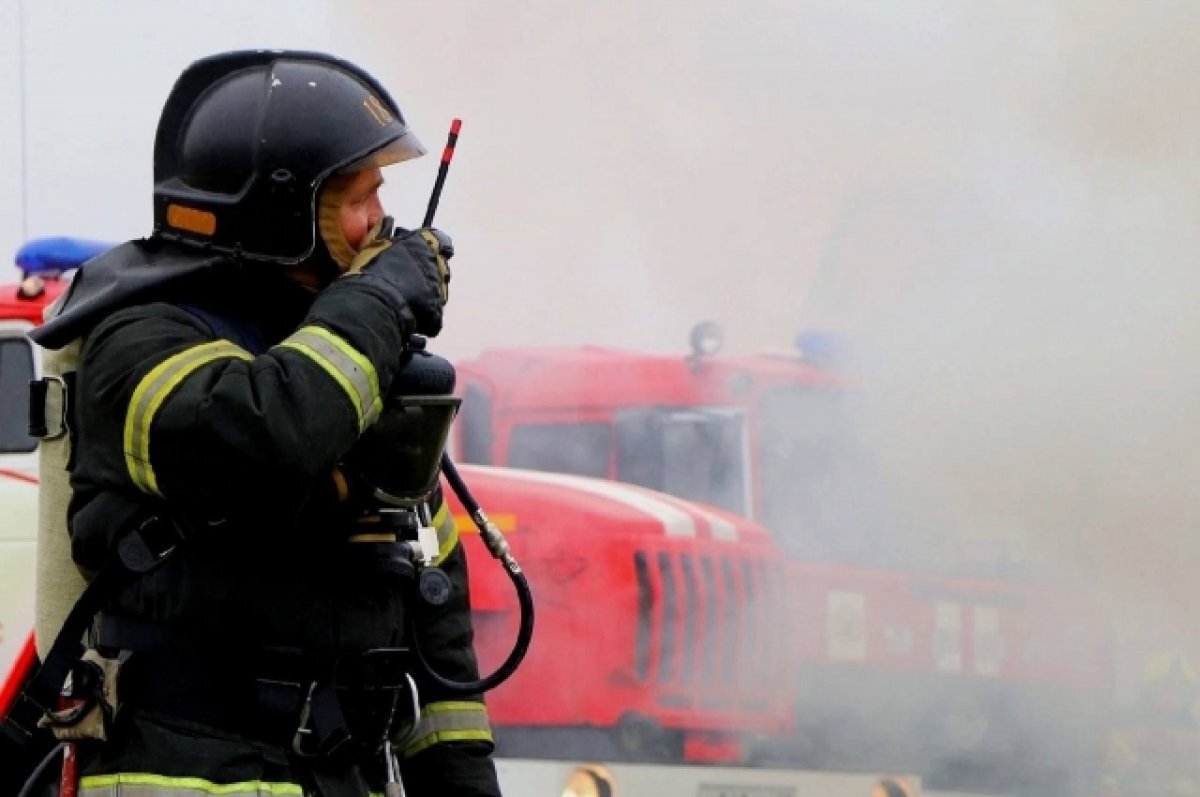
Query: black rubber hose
[
  {"x": 458, "y": 485},
  {"x": 524, "y": 597},
  {"x": 36, "y": 780},
  {"x": 515, "y": 656}
]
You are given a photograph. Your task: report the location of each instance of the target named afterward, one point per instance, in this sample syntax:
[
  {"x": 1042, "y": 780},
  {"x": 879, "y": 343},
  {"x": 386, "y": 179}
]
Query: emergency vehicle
[
  {"x": 657, "y": 638},
  {"x": 906, "y": 658}
]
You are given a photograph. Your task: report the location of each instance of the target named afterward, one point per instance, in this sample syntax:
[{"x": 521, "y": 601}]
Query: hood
[{"x": 133, "y": 273}]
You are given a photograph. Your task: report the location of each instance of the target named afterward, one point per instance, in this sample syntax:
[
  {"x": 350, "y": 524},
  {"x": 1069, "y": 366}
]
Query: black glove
[
  {"x": 415, "y": 264},
  {"x": 442, "y": 247}
]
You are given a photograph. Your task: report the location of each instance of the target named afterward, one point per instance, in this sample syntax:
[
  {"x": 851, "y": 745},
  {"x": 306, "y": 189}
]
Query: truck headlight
[{"x": 590, "y": 781}]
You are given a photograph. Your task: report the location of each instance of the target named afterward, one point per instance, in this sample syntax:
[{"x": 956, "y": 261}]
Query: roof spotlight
[{"x": 706, "y": 338}]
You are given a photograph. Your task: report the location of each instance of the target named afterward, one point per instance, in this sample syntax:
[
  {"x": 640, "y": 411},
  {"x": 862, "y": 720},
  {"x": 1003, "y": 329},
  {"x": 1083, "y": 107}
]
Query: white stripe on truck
[{"x": 675, "y": 522}]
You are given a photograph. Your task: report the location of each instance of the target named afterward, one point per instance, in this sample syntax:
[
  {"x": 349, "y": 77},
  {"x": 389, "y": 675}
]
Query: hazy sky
[{"x": 998, "y": 199}]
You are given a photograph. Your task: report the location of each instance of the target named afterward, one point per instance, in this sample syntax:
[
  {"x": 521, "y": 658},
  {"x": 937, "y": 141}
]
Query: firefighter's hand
[
  {"x": 442, "y": 247},
  {"x": 415, "y": 263}
]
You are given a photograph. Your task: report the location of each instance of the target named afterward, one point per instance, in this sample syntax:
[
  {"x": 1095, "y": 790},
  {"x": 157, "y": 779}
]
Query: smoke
[
  {"x": 996, "y": 201},
  {"x": 1028, "y": 313}
]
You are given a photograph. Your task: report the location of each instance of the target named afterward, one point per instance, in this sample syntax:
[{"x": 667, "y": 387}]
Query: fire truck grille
[{"x": 708, "y": 628}]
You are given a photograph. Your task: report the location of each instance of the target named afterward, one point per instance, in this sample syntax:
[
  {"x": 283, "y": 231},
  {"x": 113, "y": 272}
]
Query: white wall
[
  {"x": 12, "y": 165},
  {"x": 96, "y": 77}
]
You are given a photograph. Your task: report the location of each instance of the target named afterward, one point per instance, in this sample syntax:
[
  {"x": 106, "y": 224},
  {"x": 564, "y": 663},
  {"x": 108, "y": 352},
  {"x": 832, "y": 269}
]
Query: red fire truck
[
  {"x": 904, "y": 662},
  {"x": 641, "y": 652},
  {"x": 654, "y": 639}
]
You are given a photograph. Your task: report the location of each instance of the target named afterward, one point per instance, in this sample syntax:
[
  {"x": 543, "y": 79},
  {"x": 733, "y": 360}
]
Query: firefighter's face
[
  {"x": 360, "y": 209},
  {"x": 348, "y": 208}
]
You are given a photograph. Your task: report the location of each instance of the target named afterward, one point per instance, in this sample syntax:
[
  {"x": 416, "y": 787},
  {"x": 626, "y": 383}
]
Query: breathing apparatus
[{"x": 397, "y": 463}]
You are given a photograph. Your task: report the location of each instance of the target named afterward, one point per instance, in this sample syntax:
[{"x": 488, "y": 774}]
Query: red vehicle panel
[
  {"x": 876, "y": 632},
  {"x": 633, "y": 625}
]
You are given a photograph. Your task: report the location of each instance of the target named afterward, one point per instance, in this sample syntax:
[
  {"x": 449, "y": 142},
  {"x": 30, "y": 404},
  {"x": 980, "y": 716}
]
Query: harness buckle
[
  {"x": 321, "y": 731},
  {"x": 303, "y": 731},
  {"x": 143, "y": 548},
  {"x": 40, "y": 405}
]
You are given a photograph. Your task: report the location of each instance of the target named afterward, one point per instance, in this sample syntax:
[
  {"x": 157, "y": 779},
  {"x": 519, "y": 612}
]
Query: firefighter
[
  {"x": 1152, "y": 750},
  {"x": 230, "y": 363}
]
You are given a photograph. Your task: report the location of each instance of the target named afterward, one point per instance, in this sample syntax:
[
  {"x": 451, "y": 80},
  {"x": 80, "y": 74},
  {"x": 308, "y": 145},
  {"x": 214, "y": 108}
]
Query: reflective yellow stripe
[
  {"x": 186, "y": 787},
  {"x": 450, "y": 721},
  {"x": 447, "y": 736},
  {"x": 150, "y": 394},
  {"x": 447, "y": 531},
  {"x": 348, "y": 367},
  {"x": 450, "y": 706}
]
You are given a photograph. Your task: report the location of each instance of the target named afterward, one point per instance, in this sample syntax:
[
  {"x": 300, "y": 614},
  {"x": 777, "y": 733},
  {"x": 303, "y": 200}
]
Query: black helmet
[{"x": 246, "y": 139}]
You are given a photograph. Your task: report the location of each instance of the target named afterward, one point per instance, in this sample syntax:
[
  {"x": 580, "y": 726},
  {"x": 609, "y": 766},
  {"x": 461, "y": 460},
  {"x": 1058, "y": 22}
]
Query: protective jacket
[{"x": 220, "y": 398}]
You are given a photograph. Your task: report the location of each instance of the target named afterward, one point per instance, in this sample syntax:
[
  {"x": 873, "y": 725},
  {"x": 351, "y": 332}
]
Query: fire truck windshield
[
  {"x": 821, "y": 493},
  {"x": 693, "y": 453}
]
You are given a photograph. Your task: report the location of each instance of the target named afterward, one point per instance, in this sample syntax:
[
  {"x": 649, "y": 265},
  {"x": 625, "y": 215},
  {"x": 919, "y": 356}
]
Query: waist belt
[{"x": 326, "y": 704}]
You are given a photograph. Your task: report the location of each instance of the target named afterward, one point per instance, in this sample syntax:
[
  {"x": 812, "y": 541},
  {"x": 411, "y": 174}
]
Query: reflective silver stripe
[
  {"x": 450, "y": 721},
  {"x": 142, "y": 784},
  {"x": 345, "y": 364},
  {"x": 149, "y": 395}
]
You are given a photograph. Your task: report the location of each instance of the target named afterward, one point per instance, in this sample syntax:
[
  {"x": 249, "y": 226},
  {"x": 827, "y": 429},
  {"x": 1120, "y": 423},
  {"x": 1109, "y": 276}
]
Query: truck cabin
[{"x": 765, "y": 437}]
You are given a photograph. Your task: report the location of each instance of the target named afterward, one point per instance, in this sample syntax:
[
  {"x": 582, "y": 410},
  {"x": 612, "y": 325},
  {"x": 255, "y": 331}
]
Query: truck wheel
[{"x": 643, "y": 739}]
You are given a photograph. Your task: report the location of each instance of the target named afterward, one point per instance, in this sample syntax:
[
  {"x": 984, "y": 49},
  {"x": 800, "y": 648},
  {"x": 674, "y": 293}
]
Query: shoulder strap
[
  {"x": 241, "y": 332},
  {"x": 53, "y": 420},
  {"x": 140, "y": 550}
]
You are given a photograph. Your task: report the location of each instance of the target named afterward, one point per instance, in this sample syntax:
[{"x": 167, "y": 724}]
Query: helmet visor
[{"x": 406, "y": 147}]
